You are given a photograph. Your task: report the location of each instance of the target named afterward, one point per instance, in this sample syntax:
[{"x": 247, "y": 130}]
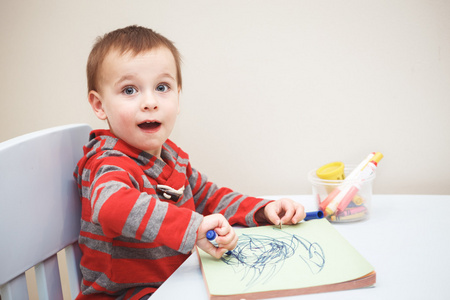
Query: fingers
[
  {"x": 295, "y": 212},
  {"x": 209, "y": 248},
  {"x": 228, "y": 241},
  {"x": 226, "y": 238},
  {"x": 225, "y": 243},
  {"x": 286, "y": 211},
  {"x": 223, "y": 228},
  {"x": 212, "y": 222},
  {"x": 299, "y": 214},
  {"x": 272, "y": 213},
  {"x": 289, "y": 211}
]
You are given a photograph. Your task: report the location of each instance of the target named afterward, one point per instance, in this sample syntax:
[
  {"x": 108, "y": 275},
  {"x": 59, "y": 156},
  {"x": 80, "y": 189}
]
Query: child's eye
[
  {"x": 162, "y": 87},
  {"x": 129, "y": 90}
]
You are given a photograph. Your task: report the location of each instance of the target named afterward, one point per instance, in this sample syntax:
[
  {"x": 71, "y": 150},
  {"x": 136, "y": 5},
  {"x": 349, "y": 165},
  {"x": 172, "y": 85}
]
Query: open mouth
[{"x": 151, "y": 126}]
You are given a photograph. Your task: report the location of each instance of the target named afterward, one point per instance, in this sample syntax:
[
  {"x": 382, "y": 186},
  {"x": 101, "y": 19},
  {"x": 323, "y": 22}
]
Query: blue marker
[
  {"x": 211, "y": 236},
  {"x": 314, "y": 215}
]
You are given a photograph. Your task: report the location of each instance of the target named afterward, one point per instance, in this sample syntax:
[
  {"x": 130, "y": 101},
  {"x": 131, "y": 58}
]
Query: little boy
[{"x": 144, "y": 207}]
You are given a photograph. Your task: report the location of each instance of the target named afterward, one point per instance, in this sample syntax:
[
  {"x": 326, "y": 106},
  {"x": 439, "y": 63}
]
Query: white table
[{"x": 406, "y": 239}]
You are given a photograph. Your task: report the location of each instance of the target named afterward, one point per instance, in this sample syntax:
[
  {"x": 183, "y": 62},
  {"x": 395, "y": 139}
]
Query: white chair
[{"x": 40, "y": 214}]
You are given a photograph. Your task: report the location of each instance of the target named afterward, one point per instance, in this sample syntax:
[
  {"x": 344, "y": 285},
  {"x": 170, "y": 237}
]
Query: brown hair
[{"x": 134, "y": 39}]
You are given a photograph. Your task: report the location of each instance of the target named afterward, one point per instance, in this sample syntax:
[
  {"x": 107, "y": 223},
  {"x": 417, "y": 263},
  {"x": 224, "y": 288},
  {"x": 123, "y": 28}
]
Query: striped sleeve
[
  {"x": 209, "y": 199},
  {"x": 121, "y": 209}
]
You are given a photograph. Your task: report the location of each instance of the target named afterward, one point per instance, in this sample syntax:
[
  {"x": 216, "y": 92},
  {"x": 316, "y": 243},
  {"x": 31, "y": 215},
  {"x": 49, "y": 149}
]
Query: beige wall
[{"x": 272, "y": 89}]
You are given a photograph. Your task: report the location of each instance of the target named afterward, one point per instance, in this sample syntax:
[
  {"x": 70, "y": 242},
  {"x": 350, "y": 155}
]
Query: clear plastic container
[{"x": 358, "y": 207}]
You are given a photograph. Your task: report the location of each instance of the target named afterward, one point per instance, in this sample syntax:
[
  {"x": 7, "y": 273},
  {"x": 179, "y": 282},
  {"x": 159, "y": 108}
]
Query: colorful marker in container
[
  {"x": 348, "y": 184},
  {"x": 345, "y": 186},
  {"x": 332, "y": 206},
  {"x": 211, "y": 235},
  {"x": 352, "y": 211},
  {"x": 366, "y": 173},
  {"x": 348, "y": 218}
]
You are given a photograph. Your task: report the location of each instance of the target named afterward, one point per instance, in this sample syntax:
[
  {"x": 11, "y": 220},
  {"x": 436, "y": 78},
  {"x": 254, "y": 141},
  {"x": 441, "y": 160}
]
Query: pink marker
[
  {"x": 331, "y": 198},
  {"x": 366, "y": 173}
]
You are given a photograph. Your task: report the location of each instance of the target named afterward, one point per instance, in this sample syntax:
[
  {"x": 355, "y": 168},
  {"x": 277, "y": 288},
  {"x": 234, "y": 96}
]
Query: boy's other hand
[
  {"x": 285, "y": 210},
  {"x": 226, "y": 237}
]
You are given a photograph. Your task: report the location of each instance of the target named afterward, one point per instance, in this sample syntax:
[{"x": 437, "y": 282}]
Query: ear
[{"x": 97, "y": 105}]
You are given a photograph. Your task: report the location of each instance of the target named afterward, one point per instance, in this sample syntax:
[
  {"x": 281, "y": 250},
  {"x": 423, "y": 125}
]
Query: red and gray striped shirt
[{"x": 140, "y": 215}]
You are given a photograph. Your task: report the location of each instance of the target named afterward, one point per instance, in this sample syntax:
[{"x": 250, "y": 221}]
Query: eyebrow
[
  {"x": 124, "y": 78},
  {"x": 132, "y": 76},
  {"x": 168, "y": 75}
]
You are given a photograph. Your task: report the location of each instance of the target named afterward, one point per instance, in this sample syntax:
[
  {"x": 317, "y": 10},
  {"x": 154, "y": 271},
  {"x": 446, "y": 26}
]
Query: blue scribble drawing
[{"x": 260, "y": 257}]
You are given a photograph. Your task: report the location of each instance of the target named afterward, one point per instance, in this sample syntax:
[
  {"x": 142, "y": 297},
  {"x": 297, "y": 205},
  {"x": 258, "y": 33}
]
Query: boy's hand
[
  {"x": 226, "y": 237},
  {"x": 285, "y": 210}
]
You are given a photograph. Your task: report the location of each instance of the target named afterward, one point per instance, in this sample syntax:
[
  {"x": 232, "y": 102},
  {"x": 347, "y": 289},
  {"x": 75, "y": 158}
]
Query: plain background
[{"x": 271, "y": 89}]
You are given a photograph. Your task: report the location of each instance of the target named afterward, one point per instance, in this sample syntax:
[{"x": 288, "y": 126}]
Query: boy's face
[{"x": 139, "y": 96}]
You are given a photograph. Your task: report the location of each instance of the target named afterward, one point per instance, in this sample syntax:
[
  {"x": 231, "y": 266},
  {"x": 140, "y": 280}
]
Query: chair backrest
[{"x": 40, "y": 212}]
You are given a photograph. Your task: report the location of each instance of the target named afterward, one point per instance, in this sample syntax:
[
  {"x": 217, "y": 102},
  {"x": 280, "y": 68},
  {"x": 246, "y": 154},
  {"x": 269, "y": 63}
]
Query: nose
[{"x": 149, "y": 102}]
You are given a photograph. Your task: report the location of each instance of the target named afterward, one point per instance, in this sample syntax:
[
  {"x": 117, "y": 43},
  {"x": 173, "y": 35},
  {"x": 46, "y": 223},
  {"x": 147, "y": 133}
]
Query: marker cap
[
  {"x": 377, "y": 157},
  {"x": 313, "y": 215},
  {"x": 211, "y": 235},
  {"x": 331, "y": 171}
]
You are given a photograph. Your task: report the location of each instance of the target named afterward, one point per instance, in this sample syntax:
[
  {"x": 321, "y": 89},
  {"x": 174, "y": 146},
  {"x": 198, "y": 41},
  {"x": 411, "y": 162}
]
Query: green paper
[{"x": 308, "y": 254}]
